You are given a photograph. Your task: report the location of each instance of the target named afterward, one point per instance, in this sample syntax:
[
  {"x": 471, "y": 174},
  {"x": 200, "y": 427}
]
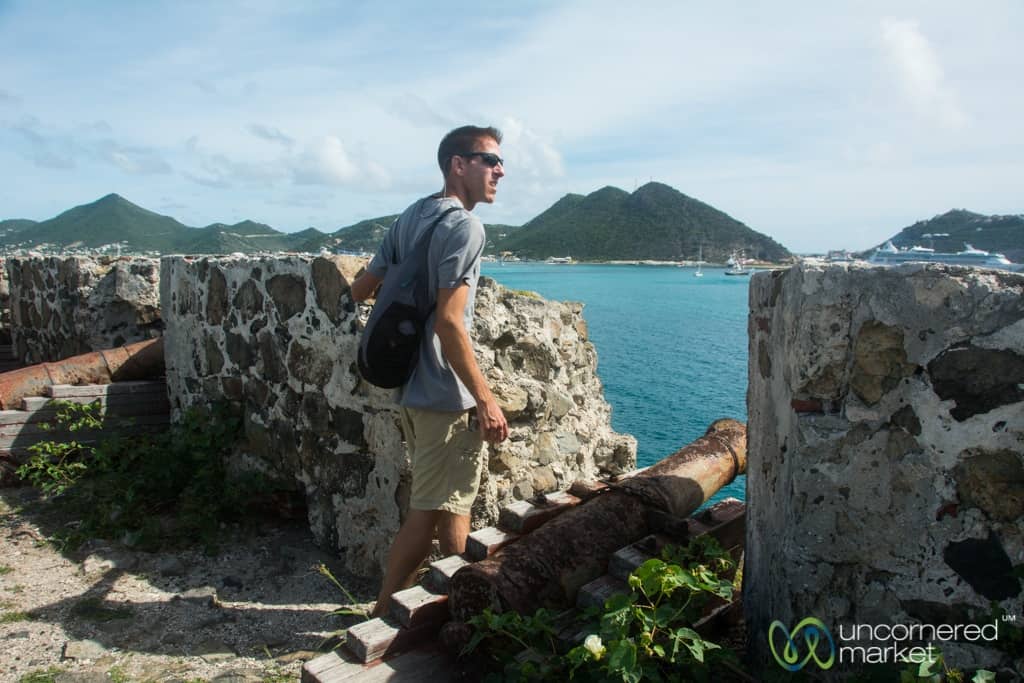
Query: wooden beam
[
  {"x": 440, "y": 574},
  {"x": 600, "y": 589},
  {"x": 134, "y": 388},
  {"x": 376, "y": 638},
  {"x": 416, "y": 606},
  {"x": 426, "y": 664},
  {"x": 522, "y": 517},
  {"x": 485, "y": 542}
]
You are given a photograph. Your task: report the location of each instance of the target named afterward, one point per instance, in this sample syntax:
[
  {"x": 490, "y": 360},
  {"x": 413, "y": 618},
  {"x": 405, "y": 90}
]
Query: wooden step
[
  {"x": 523, "y": 516},
  {"x": 594, "y": 594},
  {"x": 424, "y": 664},
  {"x": 441, "y": 572},
  {"x": 483, "y": 543},
  {"x": 378, "y": 638},
  {"x": 416, "y": 606}
]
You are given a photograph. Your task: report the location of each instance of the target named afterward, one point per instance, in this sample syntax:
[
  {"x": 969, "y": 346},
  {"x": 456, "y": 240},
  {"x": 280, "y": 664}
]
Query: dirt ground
[{"x": 254, "y": 612}]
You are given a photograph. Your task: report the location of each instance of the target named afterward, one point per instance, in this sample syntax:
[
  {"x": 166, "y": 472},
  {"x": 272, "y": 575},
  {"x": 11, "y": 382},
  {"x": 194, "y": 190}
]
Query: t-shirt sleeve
[
  {"x": 378, "y": 265},
  {"x": 461, "y": 252}
]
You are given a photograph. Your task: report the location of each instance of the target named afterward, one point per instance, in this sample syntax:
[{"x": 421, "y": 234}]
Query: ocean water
[{"x": 671, "y": 347}]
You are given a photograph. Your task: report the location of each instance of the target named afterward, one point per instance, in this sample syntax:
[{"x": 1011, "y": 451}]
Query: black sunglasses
[{"x": 491, "y": 160}]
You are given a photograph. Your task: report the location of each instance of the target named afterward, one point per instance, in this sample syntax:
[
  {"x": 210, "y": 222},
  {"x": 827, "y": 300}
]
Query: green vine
[
  {"x": 145, "y": 489},
  {"x": 643, "y": 635}
]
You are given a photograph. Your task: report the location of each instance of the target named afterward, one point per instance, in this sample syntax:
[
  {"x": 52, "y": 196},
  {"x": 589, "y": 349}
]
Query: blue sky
[{"x": 824, "y": 125}]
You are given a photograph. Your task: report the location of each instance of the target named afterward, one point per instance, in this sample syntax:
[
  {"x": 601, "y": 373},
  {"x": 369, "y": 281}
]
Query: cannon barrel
[
  {"x": 141, "y": 360},
  {"x": 549, "y": 565}
]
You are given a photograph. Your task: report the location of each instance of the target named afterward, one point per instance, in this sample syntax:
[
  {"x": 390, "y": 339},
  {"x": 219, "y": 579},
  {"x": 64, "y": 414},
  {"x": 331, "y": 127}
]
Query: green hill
[
  {"x": 13, "y": 225},
  {"x": 245, "y": 237},
  {"x": 654, "y": 222},
  {"x": 114, "y": 219},
  {"x": 106, "y": 221},
  {"x": 364, "y": 236},
  {"x": 949, "y": 232}
]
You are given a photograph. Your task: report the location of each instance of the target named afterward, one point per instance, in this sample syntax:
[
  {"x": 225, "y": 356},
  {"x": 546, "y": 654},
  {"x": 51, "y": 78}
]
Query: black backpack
[{"x": 390, "y": 345}]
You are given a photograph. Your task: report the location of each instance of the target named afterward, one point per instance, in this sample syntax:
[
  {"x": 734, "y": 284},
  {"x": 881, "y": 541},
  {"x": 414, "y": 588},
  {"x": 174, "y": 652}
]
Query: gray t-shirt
[{"x": 454, "y": 258}]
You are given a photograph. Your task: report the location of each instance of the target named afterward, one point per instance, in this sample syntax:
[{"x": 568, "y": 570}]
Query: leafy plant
[
  {"x": 4, "y": 569},
  {"x": 644, "y": 635},
  {"x": 933, "y": 669},
  {"x": 57, "y": 465},
  {"x": 42, "y": 675},
  {"x": 142, "y": 488}
]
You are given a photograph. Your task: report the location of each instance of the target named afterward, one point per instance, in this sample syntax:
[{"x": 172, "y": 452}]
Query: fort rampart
[{"x": 885, "y": 482}]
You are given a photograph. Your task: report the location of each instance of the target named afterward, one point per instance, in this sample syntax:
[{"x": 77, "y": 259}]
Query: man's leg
[
  {"x": 410, "y": 548},
  {"x": 452, "y": 530}
]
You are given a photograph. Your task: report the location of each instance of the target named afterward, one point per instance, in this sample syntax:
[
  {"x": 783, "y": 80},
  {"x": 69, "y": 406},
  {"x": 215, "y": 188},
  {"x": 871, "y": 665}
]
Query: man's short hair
[{"x": 461, "y": 141}]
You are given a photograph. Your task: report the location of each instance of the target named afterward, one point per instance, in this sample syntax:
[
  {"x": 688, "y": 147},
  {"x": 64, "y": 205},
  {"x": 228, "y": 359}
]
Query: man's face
[{"x": 480, "y": 178}]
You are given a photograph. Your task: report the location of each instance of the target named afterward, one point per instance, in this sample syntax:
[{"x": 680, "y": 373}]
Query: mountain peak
[{"x": 112, "y": 198}]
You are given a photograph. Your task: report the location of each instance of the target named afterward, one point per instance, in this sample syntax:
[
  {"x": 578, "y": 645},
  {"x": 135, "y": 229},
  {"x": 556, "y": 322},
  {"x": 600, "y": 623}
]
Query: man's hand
[{"x": 493, "y": 425}]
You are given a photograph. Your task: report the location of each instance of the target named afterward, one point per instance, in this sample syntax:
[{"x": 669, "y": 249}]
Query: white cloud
[
  {"x": 326, "y": 161},
  {"x": 920, "y": 73},
  {"x": 528, "y": 153},
  {"x": 137, "y": 160}
]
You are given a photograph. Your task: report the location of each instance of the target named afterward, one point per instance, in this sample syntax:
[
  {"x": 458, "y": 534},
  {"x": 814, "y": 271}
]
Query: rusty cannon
[
  {"x": 141, "y": 360},
  {"x": 548, "y": 566}
]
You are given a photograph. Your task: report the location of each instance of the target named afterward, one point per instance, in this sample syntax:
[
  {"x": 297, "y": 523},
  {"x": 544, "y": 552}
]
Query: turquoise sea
[{"x": 671, "y": 347}]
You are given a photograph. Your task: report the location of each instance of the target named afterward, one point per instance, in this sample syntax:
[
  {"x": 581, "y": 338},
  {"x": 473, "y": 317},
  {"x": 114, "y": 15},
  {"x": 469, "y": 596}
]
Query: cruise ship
[{"x": 890, "y": 255}]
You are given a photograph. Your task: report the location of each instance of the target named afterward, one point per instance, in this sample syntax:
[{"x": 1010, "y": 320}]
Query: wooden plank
[
  {"x": 485, "y": 542},
  {"x": 121, "y": 406},
  {"x": 34, "y": 402},
  {"x": 13, "y": 417},
  {"x": 417, "y": 606},
  {"x": 425, "y": 664},
  {"x": 117, "y": 388},
  {"x": 731, "y": 526},
  {"x": 720, "y": 619},
  {"x": 624, "y": 560},
  {"x": 112, "y": 423},
  {"x": 523, "y": 516},
  {"x": 376, "y": 638},
  {"x": 585, "y": 490},
  {"x": 441, "y": 572},
  {"x": 600, "y": 589},
  {"x": 627, "y": 475},
  {"x": 315, "y": 669}
]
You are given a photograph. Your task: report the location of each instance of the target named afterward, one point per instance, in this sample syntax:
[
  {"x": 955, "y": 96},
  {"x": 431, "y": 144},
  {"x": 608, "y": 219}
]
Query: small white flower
[{"x": 594, "y": 646}]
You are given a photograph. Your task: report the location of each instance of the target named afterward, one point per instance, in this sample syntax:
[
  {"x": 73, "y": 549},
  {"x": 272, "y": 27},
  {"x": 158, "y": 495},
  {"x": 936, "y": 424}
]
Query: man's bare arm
[
  {"x": 458, "y": 351},
  {"x": 365, "y": 286}
]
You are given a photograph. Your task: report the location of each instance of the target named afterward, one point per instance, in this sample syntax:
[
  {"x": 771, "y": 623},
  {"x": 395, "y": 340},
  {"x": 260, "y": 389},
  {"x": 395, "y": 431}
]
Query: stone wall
[
  {"x": 278, "y": 337},
  {"x": 885, "y": 482},
  {"x": 62, "y": 307}
]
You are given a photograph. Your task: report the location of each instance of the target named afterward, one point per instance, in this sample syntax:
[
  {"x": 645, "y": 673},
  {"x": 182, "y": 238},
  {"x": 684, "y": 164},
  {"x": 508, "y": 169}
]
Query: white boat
[
  {"x": 891, "y": 255},
  {"x": 560, "y": 260},
  {"x": 735, "y": 264}
]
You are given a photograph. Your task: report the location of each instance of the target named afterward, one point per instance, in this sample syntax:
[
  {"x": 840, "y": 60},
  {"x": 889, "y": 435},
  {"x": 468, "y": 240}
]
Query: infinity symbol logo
[{"x": 810, "y": 631}]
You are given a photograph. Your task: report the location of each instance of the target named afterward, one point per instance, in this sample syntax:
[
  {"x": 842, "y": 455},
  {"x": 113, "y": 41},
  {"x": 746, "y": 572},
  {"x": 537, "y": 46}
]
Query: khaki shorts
[{"x": 447, "y": 459}]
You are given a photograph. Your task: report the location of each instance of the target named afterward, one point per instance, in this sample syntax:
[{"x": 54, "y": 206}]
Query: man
[{"x": 447, "y": 390}]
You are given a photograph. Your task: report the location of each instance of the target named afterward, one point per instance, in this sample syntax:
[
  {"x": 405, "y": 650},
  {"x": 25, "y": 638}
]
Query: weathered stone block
[
  {"x": 885, "y": 423},
  {"x": 61, "y": 307}
]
